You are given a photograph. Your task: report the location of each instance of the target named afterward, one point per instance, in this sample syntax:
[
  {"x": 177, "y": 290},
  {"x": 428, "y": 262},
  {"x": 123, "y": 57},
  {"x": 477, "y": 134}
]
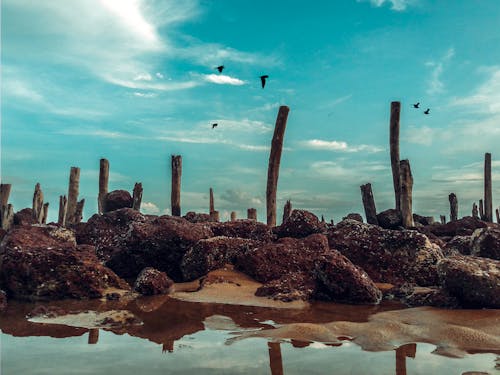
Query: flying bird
[
  {"x": 214, "y": 125},
  {"x": 220, "y": 68},
  {"x": 427, "y": 111},
  {"x": 263, "y": 80},
  {"x": 416, "y": 105}
]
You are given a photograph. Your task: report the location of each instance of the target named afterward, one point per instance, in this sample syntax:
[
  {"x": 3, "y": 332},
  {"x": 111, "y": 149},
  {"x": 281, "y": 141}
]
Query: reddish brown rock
[
  {"x": 3, "y": 301},
  {"x": 212, "y": 253},
  {"x": 290, "y": 287},
  {"x": 2, "y": 234},
  {"x": 195, "y": 217},
  {"x": 353, "y": 216},
  {"x": 250, "y": 229},
  {"x": 461, "y": 227},
  {"x": 117, "y": 199},
  {"x": 486, "y": 243},
  {"x": 474, "y": 281},
  {"x": 431, "y": 296},
  {"x": 151, "y": 282},
  {"x": 44, "y": 263},
  {"x": 458, "y": 245},
  {"x": 424, "y": 220},
  {"x": 300, "y": 224},
  {"x": 390, "y": 219},
  {"x": 388, "y": 256},
  {"x": 24, "y": 217}
]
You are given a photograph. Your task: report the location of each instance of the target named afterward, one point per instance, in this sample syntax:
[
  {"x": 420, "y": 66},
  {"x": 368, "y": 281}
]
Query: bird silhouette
[
  {"x": 416, "y": 105},
  {"x": 220, "y": 68},
  {"x": 263, "y": 80},
  {"x": 427, "y": 111},
  {"x": 214, "y": 125}
]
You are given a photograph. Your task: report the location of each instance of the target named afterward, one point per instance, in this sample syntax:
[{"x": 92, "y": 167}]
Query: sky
[{"x": 134, "y": 81}]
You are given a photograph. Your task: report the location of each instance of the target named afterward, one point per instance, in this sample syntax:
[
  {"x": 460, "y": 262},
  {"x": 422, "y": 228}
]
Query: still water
[{"x": 178, "y": 337}]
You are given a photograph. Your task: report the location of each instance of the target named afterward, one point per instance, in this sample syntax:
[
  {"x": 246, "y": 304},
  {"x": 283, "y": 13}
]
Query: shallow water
[{"x": 192, "y": 338}]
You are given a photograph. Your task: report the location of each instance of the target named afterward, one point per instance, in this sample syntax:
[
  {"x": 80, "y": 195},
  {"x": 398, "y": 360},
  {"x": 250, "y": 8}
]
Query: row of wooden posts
[{"x": 70, "y": 209}]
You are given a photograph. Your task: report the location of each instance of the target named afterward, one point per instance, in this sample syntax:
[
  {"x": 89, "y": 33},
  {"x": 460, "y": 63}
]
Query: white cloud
[
  {"x": 223, "y": 79},
  {"x": 159, "y": 75},
  {"x": 340, "y": 146},
  {"x": 435, "y": 83},
  {"x": 149, "y": 208},
  {"x": 145, "y": 94},
  {"x": 397, "y": 5},
  {"x": 143, "y": 77}
]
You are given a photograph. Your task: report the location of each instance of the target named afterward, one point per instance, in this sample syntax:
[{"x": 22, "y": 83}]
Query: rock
[
  {"x": 486, "y": 243},
  {"x": 458, "y": 245},
  {"x": 390, "y": 219},
  {"x": 212, "y": 253},
  {"x": 3, "y": 301},
  {"x": 24, "y": 217},
  {"x": 290, "y": 287},
  {"x": 461, "y": 227},
  {"x": 300, "y": 224},
  {"x": 194, "y": 217},
  {"x": 474, "y": 281},
  {"x": 424, "y": 220},
  {"x": 342, "y": 281},
  {"x": 117, "y": 199},
  {"x": 431, "y": 296},
  {"x": 353, "y": 216},
  {"x": 2, "y": 234},
  {"x": 388, "y": 256},
  {"x": 250, "y": 229},
  {"x": 44, "y": 263},
  {"x": 151, "y": 282}
]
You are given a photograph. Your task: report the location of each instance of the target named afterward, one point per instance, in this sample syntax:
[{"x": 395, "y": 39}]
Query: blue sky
[{"x": 134, "y": 81}]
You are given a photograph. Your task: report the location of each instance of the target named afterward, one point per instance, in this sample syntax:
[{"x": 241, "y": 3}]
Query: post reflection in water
[
  {"x": 93, "y": 336},
  {"x": 275, "y": 359},
  {"x": 407, "y": 350},
  {"x": 168, "y": 347}
]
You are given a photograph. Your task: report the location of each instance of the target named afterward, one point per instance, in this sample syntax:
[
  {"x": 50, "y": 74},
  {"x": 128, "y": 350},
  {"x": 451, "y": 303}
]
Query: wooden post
[
  {"x": 211, "y": 203},
  {"x": 406, "y": 193},
  {"x": 93, "y": 336},
  {"x": 394, "y": 150},
  {"x": 38, "y": 204},
  {"x": 481, "y": 209},
  {"x": 5, "y": 219},
  {"x": 406, "y": 350},
  {"x": 137, "y": 196},
  {"x": 322, "y": 219},
  {"x": 175, "y": 197},
  {"x": 63, "y": 210},
  {"x": 103, "y": 184},
  {"x": 287, "y": 210},
  {"x": 74, "y": 182},
  {"x": 214, "y": 215},
  {"x": 443, "y": 219},
  {"x": 7, "y": 216},
  {"x": 475, "y": 212},
  {"x": 488, "y": 200},
  {"x": 453, "y": 207},
  {"x": 252, "y": 214},
  {"x": 4, "y": 194},
  {"x": 233, "y": 216},
  {"x": 45, "y": 213},
  {"x": 78, "y": 212},
  {"x": 275, "y": 359},
  {"x": 498, "y": 215},
  {"x": 369, "y": 204},
  {"x": 274, "y": 164}
]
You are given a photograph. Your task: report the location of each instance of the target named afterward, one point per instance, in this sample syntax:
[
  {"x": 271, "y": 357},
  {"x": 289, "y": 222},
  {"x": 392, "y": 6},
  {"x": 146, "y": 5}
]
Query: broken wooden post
[
  {"x": 7, "y": 216},
  {"x": 45, "y": 213},
  {"x": 274, "y": 164},
  {"x": 252, "y": 213},
  {"x": 488, "y": 200},
  {"x": 214, "y": 215},
  {"x": 103, "y": 184},
  {"x": 406, "y": 180},
  {"x": 4, "y": 194},
  {"x": 233, "y": 216},
  {"x": 74, "y": 182},
  {"x": 78, "y": 212},
  {"x": 63, "y": 209},
  {"x": 369, "y": 204},
  {"x": 175, "y": 197},
  {"x": 453, "y": 207},
  {"x": 137, "y": 196},
  {"x": 37, "y": 208},
  {"x": 287, "y": 210},
  {"x": 394, "y": 151},
  {"x": 475, "y": 212},
  {"x": 481, "y": 209},
  {"x": 322, "y": 219},
  {"x": 498, "y": 215},
  {"x": 443, "y": 219},
  {"x": 211, "y": 203}
]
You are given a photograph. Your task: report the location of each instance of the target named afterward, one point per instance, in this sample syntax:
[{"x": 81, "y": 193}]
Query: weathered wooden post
[
  {"x": 488, "y": 200},
  {"x": 78, "y": 216},
  {"x": 45, "y": 213},
  {"x": 275, "y": 359},
  {"x": 322, "y": 219},
  {"x": 93, "y": 336},
  {"x": 137, "y": 196},
  {"x": 175, "y": 197},
  {"x": 394, "y": 151},
  {"x": 37, "y": 207},
  {"x": 4, "y": 194},
  {"x": 453, "y": 207},
  {"x": 74, "y": 182},
  {"x": 214, "y": 215},
  {"x": 233, "y": 216},
  {"x": 443, "y": 219},
  {"x": 481, "y": 209},
  {"x": 274, "y": 164},
  {"x": 498, "y": 215},
  {"x": 103, "y": 184},
  {"x": 6, "y": 209},
  {"x": 211, "y": 202},
  {"x": 287, "y": 210},
  {"x": 406, "y": 180},
  {"x": 63, "y": 210},
  {"x": 475, "y": 212},
  {"x": 369, "y": 204},
  {"x": 252, "y": 213}
]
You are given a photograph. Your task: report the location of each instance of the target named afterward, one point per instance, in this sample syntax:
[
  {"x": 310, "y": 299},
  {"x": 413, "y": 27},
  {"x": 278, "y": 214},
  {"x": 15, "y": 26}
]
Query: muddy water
[{"x": 161, "y": 335}]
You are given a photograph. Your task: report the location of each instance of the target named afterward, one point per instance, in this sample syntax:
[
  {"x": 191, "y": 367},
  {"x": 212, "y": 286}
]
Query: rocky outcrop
[
  {"x": 151, "y": 282},
  {"x": 474, "y": 281},
  {"x": 486, "y": 243},
  {"x": 24, "y": 217},
  {"x": 390, "y": 219},
  {"x": 290, "y": 287},
  {"x": 250, "y": 229},
  {"x": 300, "y": 224},
  {"x": 353, "y": 216},
  {"x": 212, "y": 253},
  {"x": 424, "y": 220},
  {"x": 116, "y": 200},
  {"x": 44, "y": 263},
  {"x": 430, "y": 296},
  {"x": 461, "y": 227},
  {"x": 458, "y": 245},
  {"x": 195, "y": 217},
  {"x": 388, "y": 256}
]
